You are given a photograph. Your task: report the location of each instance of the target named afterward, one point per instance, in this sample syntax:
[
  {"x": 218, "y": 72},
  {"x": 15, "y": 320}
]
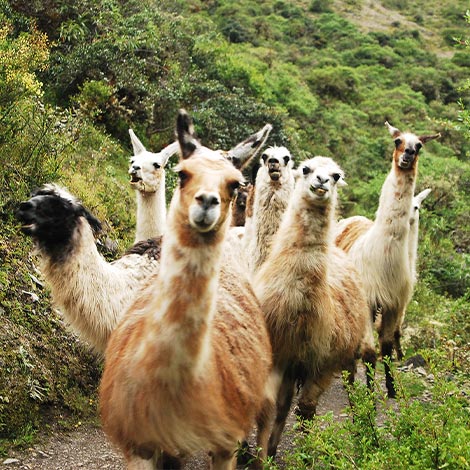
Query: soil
[{"x": 87, "y": 448}]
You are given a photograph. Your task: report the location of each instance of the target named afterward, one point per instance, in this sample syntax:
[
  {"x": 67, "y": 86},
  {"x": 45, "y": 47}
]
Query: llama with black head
[{"x": 90, "y": 292}]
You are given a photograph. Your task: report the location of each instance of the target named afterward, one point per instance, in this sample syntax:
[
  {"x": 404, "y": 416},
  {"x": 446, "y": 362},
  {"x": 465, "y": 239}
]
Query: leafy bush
[{"x": 416, "y": 434}]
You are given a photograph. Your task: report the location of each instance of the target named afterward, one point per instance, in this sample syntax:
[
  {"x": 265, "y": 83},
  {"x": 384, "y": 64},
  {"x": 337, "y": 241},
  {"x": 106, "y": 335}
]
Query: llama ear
[
  {"x": 394, "y": 132},
  {"x": 341, "y": 181},
  {"x": 244, "y": 152},
  {"x": 95, "y": 224},
  {"x": 419, "y": 198},
  {"x": 168, "y": 151},
  {"x": 424, "y": 138},
  {"x": 136, "y": 143},
  {"x": 185, "y": 132}
]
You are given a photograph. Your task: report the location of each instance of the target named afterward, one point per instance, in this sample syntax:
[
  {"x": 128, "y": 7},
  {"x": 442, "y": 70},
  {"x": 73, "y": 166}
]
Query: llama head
[
  {"x": 244, "y": 152},
  {"x": 147, "y": 169},
  {"x": 207, "y": 182},
  {"x": 51, "y": 216},
  {"x": 407, "y": 147},
  {"x": 318, "y": 180},
  {"x": 242, "y": 196},
  {"x": 416, "y": 204},
  {"x": 276, "y": 164}
]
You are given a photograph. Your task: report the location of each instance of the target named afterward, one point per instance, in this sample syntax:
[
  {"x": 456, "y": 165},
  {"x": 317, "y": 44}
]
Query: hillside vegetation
[{"x": 75, "y": 76}]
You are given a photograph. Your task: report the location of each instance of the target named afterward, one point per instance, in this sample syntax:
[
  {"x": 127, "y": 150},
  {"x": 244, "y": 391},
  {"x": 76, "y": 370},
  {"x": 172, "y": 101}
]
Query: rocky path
[{"x": 87, "y": 447}]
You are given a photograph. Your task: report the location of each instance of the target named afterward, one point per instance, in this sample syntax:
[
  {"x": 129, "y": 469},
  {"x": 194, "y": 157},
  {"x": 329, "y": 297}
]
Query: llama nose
[
  {"x": 135, "y": 168},
  {"x": 321, "y": 179},
  {"x": 207, "y": 200}
]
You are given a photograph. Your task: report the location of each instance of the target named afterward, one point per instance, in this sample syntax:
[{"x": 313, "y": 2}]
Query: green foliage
[
  {"x": 326, "y": 79},
  {"x": 416, "y": 434}
]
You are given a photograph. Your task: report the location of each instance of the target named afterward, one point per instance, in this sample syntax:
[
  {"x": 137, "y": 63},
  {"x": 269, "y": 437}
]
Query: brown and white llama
[
  {"x": 380, "y": 251},
  {"x": 313, "y": 301},
  {"x": 187, "y": 368},
  {"x": 147, "y": 172},
  {"x": 273, "y": 187}
]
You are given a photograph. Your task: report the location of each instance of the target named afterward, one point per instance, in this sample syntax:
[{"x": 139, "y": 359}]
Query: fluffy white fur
[{"x": 273, "y": 188}]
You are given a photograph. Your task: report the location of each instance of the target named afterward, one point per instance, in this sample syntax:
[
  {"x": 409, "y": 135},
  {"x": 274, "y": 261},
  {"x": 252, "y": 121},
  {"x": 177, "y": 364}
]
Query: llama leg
[
  {"x": 386, "y": 349},
  {"x": 369, "y": 359},
  {"x": 263, "y": 422},
  {"x": 138, "y": 463},
  {"x": 397, "y": 335},
  {"x": 223, "y": 460},
  {"x": 168, "y": 462},
  {"x": 310, "y": 395},
  {"x": 284, "y": 401},
  {"x": 397, "y": 338}
]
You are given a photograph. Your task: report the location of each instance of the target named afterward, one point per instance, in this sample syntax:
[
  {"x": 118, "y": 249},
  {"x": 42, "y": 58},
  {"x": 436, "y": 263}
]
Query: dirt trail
[{"x": 87, "y": 448}]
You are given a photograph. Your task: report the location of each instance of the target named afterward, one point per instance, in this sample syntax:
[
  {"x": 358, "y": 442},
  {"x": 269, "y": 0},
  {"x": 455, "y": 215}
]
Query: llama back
[
  {"x": 384, "y": 269},
  {"x": 347, "y": 231}
]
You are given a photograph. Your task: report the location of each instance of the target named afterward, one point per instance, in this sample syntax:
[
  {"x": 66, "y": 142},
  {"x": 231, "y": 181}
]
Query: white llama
[
  {"x": 272, "y": 190},
  {"x": 147, "y": 171},
  {"x": 188, "y": 366},
  {"x": 413, "y": 255},
  {"x": 380, "y": 251},
  {"x": 313, "y": 301}
]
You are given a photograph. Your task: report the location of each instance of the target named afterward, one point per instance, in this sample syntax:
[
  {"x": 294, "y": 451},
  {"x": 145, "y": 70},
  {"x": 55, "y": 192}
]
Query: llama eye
[
  {"x": 397, "y": 142},
  {"x": 305, "y": 170},
  {"x": 418, "y": 147},
  {"x": 233, "y": 186},
  {"x": 183, "y": 177},
  {"x": 286, "y": 159},
  {"x": 156, "y": 165},
  {"x": 336, "y": 176}
]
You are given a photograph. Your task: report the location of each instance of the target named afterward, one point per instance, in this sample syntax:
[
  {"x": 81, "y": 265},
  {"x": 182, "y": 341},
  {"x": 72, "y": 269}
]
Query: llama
[
  {"x": 314, "y": 304},
  {"x": 414, "y": 230},
  {"x": 89, "y": 291},
  {"x": 147, "y": 172},
  {"x": 380, "y": 252},
  {"x": 188, "y": 367},
  {"x": 272, "y": 190},
  {"x": 412, "y": 254},
  {"x": 239, "y": 205}
]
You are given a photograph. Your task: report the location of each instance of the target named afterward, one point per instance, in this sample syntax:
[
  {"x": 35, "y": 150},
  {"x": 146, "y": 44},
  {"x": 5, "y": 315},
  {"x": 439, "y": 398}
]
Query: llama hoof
[{"x": 244, "y": 454}]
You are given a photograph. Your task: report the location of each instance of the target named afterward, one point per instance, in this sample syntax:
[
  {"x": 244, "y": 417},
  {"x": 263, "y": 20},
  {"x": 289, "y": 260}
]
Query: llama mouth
[
  {"x": 28, "y": 229},
  {"x": 275, "y": 175},
  {"x": 318, "y": 191},
  {"x": 135, "y": 179}
]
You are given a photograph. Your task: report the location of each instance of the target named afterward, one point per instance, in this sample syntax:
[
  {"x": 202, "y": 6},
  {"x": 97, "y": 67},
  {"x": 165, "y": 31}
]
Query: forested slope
[{"x": 74, "y": 76}]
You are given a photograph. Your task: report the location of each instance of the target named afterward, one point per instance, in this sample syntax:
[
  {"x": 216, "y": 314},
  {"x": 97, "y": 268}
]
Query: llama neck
[
  {"x": 189, "y": 279},
  {"x": 151, "y": 213},
  {"x": 307, "y": 229},
  {"x": 84, "y": 286},
  {"x": 270, "y": 203},
  {"x": 393, "y": 213},
  {"x": 413, "y": 244}
]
